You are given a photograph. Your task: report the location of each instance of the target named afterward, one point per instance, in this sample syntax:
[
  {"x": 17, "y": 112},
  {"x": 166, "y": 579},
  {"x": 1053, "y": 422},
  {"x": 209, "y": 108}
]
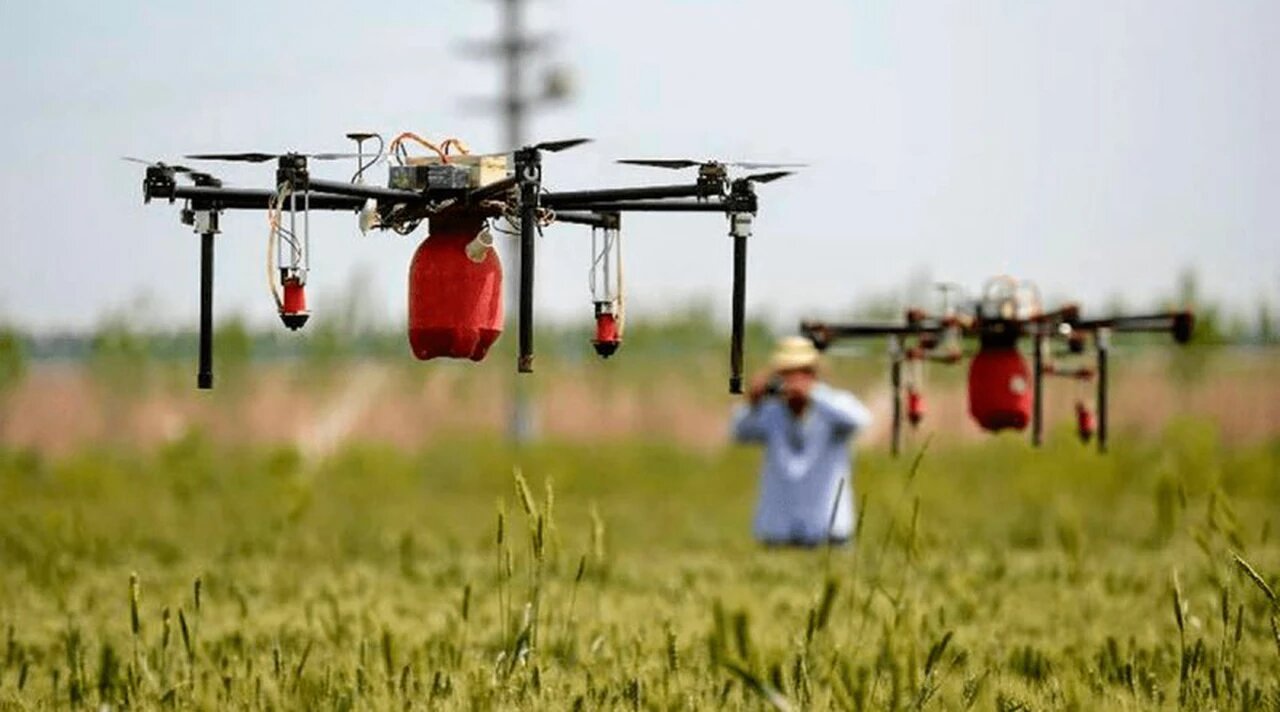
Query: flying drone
[
  {"x": 1004, "y": 392},
  {"x": 455, "y": 277}
]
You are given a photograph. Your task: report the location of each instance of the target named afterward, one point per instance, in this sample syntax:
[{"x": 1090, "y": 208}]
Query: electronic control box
[{"x": 459, "y": 173}]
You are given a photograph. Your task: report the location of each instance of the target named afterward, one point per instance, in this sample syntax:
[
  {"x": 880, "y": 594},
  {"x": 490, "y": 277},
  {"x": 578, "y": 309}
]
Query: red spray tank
[
  {"x": 455, "y": 290},
  {"x": 1000, "y": 388}
]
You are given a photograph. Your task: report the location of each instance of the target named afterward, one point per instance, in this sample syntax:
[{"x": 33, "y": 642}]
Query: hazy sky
[{"x": 1096, "y": 146}]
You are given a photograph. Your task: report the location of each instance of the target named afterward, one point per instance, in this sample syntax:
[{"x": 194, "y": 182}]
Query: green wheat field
[{"x": 620, "y": 575}]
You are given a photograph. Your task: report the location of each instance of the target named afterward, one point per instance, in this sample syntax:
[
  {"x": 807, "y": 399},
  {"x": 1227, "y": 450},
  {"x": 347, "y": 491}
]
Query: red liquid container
[
  {"x": 1000, "y": 389},
  {"x": 455, "y": 302}
]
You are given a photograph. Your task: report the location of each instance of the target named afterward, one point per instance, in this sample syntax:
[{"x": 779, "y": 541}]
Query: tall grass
[{"x": 200, "y": 576}]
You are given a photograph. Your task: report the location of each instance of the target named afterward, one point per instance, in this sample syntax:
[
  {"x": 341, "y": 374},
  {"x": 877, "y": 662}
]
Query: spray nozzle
[
  {"x": 608, "y": 336},
  {"x": 293, "y": 305}
]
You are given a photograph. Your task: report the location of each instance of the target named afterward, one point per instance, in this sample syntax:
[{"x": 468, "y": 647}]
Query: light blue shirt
[{"x": 805, "y": 459}]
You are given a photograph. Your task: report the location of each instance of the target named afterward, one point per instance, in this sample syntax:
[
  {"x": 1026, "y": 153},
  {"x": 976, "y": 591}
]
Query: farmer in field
[{"x": 806, "y": 428}]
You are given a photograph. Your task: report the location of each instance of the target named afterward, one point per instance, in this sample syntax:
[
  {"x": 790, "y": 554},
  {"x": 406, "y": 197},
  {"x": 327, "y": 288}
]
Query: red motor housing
[
  {"x": 455, "y": 302},
  {"x": 1000, "y": 389}
]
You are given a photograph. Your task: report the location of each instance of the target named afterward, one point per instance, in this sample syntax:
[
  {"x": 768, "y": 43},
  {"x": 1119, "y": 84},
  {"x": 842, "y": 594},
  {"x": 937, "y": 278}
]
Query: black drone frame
[
  {"x": 712, "y": 192},
  {"x": 1063, "y": 323}
]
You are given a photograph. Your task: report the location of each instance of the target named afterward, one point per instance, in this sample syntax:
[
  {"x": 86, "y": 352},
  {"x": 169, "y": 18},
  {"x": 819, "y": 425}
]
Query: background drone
[{"x": 1004, "y": 392}]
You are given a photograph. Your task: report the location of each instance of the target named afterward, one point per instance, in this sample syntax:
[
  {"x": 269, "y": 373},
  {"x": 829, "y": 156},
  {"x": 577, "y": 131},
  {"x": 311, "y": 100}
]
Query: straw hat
[{"x": 793, "y": 352}]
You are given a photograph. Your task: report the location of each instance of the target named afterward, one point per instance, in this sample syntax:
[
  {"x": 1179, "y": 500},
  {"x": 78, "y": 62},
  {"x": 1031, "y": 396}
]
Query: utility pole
[{"x": 514, "y": 49}]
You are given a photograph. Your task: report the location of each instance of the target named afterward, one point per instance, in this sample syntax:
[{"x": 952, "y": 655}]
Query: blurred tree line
[
  {"x": 126, "y": 356},
  {"x": 13, "y": 366}
]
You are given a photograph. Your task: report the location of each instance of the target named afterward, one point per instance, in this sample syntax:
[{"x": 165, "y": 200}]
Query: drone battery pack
[
  {"x": 455, "y": 300},
  {"x": 435, "y": 178},
  {"x": 459, "y": 173}
]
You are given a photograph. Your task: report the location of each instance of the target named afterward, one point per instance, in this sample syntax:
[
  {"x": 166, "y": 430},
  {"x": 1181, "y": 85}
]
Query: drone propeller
[
  {"x": 673, "y": 163},
  {"x": 159, "y": 164},
  {"x": 752, "y": 165},
  {"x": 198, "y": 177},
  {"x": 767, "y": 177},
  {"x": 561, "y": 145},
  {"x": 679, "y": 163},
  {"x": 254, "y": 157}
]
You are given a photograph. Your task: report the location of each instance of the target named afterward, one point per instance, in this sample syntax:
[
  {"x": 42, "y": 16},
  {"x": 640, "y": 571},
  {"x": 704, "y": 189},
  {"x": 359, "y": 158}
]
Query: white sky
[{"x": 1096, "y": 146}]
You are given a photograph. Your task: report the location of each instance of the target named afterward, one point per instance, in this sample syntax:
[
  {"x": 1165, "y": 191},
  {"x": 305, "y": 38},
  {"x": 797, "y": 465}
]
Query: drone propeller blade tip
[
  {"x": 673, "y": 163},
  {"x": 557, "y": 146},
  {"x": 176, "y": 168},
  {"x": 256, "y": 157},
  {"x": 768, "y": 177},
  {"x": 234, "y": 157},
  {"x": 753, "y": 165},
  {"x": 678, "y": 163}
]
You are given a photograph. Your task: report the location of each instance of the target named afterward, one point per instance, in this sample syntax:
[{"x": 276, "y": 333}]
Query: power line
[{"x": 514, "y": 49}]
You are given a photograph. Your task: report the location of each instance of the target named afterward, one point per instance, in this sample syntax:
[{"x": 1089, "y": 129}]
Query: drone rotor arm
[
  {"x": 356, "y": 190},
  {"x": 836, "y": 331},
  {"x": 209, "y": 198},
  {"x": 1180, "y": 324},
  {"x": 569, "y": 199},
  {"x": 651, "y": 206},
  {"x": 602, "y": 220}
]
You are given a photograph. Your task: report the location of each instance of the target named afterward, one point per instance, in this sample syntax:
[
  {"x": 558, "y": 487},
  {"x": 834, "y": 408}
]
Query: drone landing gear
[
  {"x": 895, "y": 383},
  {"x": 740, "y": 229},
  {"x": 1090, "y": 422},
  {"x": 1037, "y": 394},
  {"x": 1102, "y": 343},
  {"x": 742, "y": 213},
  {"x": 529, "y": 168},
  {"x": 205, "y": 223}
]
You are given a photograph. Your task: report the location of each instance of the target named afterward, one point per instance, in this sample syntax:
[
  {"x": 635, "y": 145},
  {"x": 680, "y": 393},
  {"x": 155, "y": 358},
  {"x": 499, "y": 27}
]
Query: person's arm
[
  {"x": 750, "y": 419},
  {"x": 845, "y": 412},
  {"x": 749, "y": 424}
]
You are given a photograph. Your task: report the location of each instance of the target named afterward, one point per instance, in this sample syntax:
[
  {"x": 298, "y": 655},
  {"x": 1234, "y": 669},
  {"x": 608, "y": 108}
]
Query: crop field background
[
  {"x": 337, "y": 525},
  {"x": 349, "y": 542}
]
